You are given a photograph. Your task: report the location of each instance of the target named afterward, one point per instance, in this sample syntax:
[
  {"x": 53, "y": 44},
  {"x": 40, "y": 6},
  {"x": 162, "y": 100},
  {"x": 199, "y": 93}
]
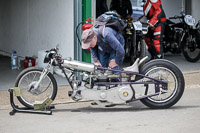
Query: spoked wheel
[
  {"x": 27, "y": 81},
  {"x": 128, "y": 46},
  {"x": 166, "y": 71},
  {"x": 141, "y": 50},
  {"x": 191, "y": 47},
  {"x": 133, "y": 49}
]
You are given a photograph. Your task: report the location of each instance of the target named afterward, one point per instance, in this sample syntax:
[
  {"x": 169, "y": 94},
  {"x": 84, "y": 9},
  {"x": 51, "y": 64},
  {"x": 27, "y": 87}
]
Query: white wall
[
  {"x": 195, "y": 9},
  {"x": 4, "y": 23},
  {"x": 108, "y": 4},
  {"x": 1, "y": 27},
  {"x": 33, "y": 25},
  {"x": 172, "y": 7}
]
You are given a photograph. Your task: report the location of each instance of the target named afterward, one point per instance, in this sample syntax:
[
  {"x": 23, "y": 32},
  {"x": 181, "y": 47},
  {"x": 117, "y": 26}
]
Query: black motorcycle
[
  {"x": 182, "y": 37},
  {"x": 135, "y": 46}
]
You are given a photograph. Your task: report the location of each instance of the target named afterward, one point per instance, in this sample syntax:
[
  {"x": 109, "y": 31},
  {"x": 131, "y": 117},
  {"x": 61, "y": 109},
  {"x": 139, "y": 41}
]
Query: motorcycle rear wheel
[
  {"x": 167, "y": 71},
  {"x": 27, "y": 79},
  {"x": 191, "y": 48}
]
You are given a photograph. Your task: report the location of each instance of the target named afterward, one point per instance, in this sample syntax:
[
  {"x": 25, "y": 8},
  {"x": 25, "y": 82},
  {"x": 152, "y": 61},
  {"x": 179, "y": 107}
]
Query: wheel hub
[{"x": 33, "y": 90}]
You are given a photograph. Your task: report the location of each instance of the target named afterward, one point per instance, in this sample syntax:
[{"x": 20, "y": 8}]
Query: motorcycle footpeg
[
  {"x": 110, "y": 105},
  {"x": 94, "y": 103}
]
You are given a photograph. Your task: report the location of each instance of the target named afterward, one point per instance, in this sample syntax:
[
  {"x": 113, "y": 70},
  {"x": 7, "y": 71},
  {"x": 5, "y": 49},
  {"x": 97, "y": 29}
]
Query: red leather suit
[{"x": 156, "y": 18}]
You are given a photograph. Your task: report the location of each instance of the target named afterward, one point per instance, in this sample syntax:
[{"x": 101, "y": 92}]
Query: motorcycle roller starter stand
[{"x": 43, "y": 107}]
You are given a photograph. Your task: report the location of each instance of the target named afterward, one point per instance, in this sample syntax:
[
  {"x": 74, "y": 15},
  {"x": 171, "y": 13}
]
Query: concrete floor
[
  {"x": 82, "y": 117},
  {"x": 8, "y": 76}
]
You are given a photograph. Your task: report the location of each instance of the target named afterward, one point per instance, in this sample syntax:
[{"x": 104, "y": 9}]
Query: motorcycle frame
[{"x": 160, "y": 86}]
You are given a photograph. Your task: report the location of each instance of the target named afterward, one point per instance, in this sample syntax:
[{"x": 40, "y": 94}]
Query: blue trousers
[{"x": 105, "y": 58}]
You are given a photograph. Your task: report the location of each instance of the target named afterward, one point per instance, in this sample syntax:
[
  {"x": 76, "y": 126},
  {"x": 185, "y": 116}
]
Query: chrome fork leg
[{"x": 43, "y": 75}]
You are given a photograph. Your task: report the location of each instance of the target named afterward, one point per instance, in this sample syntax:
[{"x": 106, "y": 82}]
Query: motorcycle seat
[
  {"x": 134, "y": 67},
  {"x": 170, "y": 22}
]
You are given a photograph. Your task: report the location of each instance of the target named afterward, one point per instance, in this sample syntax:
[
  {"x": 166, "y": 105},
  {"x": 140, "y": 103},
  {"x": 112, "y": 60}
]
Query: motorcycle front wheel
[
  {"x": 26, "y": 81},
  {"x": 139, "y": 51},
  {"x": 191, "y": 47},
  {"x": 166, "y": 71}
]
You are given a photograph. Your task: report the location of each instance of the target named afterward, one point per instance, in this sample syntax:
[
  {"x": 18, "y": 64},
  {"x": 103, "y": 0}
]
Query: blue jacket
[{"x": 112, "y": 40}]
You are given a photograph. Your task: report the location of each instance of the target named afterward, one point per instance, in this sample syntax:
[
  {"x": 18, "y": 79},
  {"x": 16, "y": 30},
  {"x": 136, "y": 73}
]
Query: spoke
[
  {"x": 47, "y": 87},
  {"x": 27, "y": 80},
  {"x": 165, "y": 96},
  {"x": 34, "y": 76},
  {"x": 163, "y": 74},
  {"x": 23, "y": 86}
]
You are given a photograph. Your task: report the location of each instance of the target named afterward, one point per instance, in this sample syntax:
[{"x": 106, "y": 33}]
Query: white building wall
[
  {"x": 195, "y": 9},
  {"x": 33, "y": 25},
  {"x": 1, "y": 27},
  {"x": 4, "y": 23},
  {"x": 172, "y": 7}
]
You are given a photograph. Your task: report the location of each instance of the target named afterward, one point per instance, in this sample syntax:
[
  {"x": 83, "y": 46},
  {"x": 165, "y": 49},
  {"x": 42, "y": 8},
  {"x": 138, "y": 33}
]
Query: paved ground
[{"x": 82, "y": 117}]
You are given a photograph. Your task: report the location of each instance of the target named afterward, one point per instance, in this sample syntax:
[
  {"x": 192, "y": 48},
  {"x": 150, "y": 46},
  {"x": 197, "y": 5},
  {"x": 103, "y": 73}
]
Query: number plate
[
  {"x": 189, "y": 20},
  {"x": 137, "y": 25}
]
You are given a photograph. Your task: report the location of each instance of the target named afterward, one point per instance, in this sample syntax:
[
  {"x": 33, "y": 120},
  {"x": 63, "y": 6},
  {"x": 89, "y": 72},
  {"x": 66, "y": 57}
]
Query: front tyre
[
  {"x": 26, "y": 81},
  {"x": 167, "y": 71},
  {"x": 191, "y": 47},
  {"x": 139, "y": 51}
]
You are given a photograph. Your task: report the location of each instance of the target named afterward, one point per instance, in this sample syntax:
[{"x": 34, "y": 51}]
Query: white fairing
[{"x": 189, "y": 20}]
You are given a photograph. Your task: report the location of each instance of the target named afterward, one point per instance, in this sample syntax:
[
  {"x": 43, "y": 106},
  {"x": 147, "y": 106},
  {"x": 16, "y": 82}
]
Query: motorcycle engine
[
  {"x": 103, "y": 76},
  {"x": 113, "y": 94}
]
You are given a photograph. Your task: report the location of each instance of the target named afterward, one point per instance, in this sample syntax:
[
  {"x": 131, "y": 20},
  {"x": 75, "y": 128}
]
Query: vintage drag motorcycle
[
  {"x": 158, "y": 84},
  {"x": 182, "y": 37},
  {"x": 135, "y": 47}
]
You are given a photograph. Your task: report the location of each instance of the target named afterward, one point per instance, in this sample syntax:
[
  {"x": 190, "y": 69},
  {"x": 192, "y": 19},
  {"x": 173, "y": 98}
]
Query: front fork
[{"x": 43, "y": 75}]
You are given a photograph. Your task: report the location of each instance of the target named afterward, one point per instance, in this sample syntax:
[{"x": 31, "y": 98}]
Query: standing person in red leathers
[{"x": 156, "y": 19}]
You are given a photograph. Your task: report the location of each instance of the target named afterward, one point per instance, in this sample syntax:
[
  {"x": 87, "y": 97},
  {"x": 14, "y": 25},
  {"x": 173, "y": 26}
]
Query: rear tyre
[
  {"x": 167, "y": 71},
  {"x": 26, "y": 81}
]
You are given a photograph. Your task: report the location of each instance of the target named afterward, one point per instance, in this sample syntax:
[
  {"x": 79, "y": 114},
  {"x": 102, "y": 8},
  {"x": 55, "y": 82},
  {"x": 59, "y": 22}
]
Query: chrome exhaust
[{"x": 79, "y": 65}]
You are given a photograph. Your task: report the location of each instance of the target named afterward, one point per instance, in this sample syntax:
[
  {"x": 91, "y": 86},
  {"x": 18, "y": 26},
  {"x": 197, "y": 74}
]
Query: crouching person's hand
[
  {"x": 97, "y": 63},
  {"x": 112, "y": 64}
]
